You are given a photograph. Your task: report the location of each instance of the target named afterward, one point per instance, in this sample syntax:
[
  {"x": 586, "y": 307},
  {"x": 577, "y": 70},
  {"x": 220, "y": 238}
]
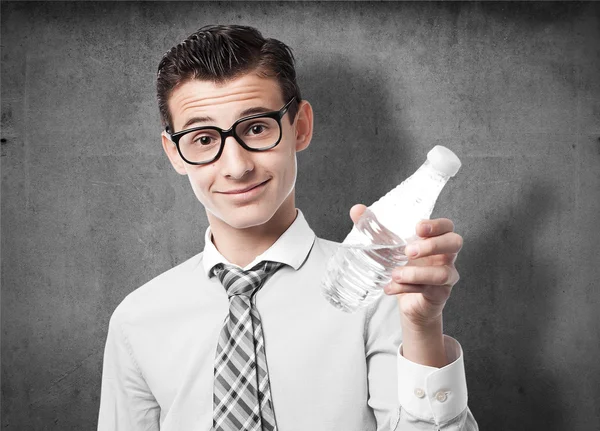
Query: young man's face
[{"x": 275, "y": 169}]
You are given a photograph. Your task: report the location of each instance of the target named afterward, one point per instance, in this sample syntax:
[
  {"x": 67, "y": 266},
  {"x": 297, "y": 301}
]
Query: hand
[{"x": 423, "y": 286}]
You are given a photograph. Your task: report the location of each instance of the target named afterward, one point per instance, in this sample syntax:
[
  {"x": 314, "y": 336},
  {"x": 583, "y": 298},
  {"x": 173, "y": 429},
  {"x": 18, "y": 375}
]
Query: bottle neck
[
  {"x": 402, "y": 207},
  {"x": 427, "y": 182},
  {"x": 437, "y": 176}
]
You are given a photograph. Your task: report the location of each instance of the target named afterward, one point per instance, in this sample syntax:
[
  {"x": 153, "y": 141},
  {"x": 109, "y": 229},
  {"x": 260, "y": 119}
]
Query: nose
[{"x": 235, "y": 161}]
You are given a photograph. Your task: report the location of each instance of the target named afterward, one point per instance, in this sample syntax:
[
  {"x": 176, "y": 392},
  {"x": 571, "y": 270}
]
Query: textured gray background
[{"x": 91, "y": 209}]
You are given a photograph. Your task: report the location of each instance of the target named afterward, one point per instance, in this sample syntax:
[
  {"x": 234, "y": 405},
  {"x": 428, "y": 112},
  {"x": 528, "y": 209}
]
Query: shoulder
[{"x": 157, "y": 292}]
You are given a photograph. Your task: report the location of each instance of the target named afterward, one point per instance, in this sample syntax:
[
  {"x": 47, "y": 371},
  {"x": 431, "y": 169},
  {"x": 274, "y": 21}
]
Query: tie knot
[{"x": 240, "y": 282}]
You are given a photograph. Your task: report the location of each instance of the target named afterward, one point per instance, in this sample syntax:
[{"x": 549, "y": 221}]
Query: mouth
[{"x": 244, "y": 190}]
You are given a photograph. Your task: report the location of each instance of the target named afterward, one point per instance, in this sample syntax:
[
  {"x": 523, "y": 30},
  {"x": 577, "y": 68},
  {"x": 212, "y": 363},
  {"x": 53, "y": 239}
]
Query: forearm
[{"x": 424, "y": 344}]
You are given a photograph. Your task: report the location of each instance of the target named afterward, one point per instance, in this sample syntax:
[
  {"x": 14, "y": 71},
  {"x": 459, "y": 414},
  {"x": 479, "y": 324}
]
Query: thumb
[{"x": 356, "y": 212}]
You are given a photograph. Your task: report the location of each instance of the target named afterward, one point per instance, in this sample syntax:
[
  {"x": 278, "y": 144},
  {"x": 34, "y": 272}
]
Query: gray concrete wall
[{"x": 91, "y": 209}]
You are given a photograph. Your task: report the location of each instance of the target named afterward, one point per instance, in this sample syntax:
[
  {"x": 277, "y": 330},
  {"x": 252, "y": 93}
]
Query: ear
[
  {"x": 304, "y": 125},
  {"x": 173, "y": 155}
]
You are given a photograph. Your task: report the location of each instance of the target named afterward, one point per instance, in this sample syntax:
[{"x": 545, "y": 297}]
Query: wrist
[
  {"x": 432, "y": 325},
  {"x": 423, "y": 342}
]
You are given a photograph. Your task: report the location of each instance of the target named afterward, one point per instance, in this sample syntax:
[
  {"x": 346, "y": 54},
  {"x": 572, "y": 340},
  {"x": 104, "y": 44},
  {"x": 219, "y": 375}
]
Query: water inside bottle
[
  {"x": 358, "y": 272},
  {"x": 384, "y": 254}
]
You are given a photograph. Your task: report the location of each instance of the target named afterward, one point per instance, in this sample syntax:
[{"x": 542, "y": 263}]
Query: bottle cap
[{"x": 444, "y": 160}]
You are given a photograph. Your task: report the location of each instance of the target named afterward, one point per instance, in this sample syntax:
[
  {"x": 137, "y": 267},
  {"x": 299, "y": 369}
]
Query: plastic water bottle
[{"x": 362, "y": 266}]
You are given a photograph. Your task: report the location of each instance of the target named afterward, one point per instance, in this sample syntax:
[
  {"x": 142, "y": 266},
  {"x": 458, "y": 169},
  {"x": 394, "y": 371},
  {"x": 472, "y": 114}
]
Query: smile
[{"x": 248, "y": 192}]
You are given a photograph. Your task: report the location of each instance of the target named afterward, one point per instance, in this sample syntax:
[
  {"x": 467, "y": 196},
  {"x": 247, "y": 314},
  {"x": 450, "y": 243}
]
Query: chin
[{"x": 244, "y": 218}]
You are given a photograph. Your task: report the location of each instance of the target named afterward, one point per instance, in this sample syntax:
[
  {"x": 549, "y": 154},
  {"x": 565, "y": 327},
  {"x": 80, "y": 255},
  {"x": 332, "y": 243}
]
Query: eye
[
  {"x": 257, "y": 129},
  {"x": 203, "y": 139}
]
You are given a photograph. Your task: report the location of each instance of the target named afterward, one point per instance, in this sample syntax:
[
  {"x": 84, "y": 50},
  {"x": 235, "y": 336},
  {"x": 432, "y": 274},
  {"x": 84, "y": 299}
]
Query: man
[{"x": 239, "y": 337}]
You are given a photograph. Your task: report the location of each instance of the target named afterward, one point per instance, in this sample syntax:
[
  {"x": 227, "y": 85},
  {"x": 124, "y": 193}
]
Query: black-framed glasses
[{"x": 203, "y": 145}]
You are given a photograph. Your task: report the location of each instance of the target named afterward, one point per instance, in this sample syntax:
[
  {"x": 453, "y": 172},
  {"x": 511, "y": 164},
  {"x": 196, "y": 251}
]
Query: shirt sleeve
[
  {"x": 126, "y": 402},
  {"x": 406, "y": 396},
  {"x": 435, "y": 395}
]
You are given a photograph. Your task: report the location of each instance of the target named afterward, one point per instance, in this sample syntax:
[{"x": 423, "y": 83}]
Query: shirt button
[
  {"x": 419, "y": 393},
  {"x": 441, "y": 396}
]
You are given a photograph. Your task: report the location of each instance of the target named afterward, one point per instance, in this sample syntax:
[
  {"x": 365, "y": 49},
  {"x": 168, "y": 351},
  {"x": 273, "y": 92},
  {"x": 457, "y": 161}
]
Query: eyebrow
[{"x": 244, "y": 113}]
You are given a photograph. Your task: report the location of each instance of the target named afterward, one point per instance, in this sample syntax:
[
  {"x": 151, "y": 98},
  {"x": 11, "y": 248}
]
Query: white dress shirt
[{"x": 329, "y": 370}]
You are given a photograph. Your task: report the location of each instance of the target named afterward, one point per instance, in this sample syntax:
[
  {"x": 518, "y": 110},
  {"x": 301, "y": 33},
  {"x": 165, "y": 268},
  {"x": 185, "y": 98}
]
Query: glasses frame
[{"x": 277, "y": 115}]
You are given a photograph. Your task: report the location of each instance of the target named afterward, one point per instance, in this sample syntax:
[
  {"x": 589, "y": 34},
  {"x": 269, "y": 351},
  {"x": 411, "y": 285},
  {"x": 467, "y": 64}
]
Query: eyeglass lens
[{"x": 203, "y": 145}]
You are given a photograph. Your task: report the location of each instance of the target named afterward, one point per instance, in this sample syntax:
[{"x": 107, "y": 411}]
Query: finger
[
  {"x": 356, "y": 212},
  {"x": 445, "y": 275},
  {"x": 436, "y": 294},
  {"x": 440, "y": 226},
  {"x": 396, "y": 288},
  {"x": 435, "y": 260},
  {"x": 447, "y": 243}
]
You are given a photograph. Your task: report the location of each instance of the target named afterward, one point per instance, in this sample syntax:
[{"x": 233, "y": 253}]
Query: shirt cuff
[{"x": 433, "y": 394}]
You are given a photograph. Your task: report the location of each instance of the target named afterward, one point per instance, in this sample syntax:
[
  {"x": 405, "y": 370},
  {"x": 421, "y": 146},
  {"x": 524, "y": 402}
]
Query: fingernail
[
  {"x": 397, "y": 276},
  {"x": 427, "y": 228},
  {"x": 412, "y": 250}
]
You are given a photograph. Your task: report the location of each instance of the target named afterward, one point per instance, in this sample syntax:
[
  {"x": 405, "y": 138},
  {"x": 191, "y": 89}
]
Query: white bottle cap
[{"x": 444, "y": 160}]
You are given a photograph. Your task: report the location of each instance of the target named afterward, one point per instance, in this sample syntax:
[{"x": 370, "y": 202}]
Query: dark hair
[{"x": 223, "y": 52}]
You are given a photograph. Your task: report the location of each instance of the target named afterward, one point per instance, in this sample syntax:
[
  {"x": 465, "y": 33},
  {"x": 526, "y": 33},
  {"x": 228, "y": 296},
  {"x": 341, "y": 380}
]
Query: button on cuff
[
  {"x": 449, "y": 380},
  {"x": 441, "y": 396},
  {"x": 419, "y": 393}
]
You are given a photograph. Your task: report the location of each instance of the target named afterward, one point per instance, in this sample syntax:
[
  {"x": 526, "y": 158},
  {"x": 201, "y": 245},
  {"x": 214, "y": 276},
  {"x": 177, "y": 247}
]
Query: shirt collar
[{"x": 291, "y": 248}]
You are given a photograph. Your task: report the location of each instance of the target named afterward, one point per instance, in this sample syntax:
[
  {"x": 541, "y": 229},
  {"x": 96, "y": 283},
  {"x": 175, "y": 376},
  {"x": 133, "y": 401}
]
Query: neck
[{"x": 241, "y": 246}]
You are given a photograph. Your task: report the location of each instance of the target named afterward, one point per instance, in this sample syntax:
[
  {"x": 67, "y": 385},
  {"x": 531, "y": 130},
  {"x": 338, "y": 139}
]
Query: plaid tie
[{"x": 242, "y": 395}]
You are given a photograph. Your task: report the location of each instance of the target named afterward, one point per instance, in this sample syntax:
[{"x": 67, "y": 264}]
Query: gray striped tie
[{"x": 242, "y": 394}]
